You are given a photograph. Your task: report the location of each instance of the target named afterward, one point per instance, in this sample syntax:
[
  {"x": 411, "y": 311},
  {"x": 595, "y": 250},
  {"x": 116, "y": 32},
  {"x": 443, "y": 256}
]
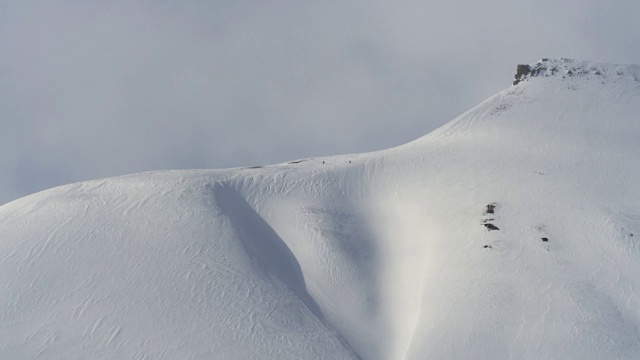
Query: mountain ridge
[{"x": 383, "y": 255}]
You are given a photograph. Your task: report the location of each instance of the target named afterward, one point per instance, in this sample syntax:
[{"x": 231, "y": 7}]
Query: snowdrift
[{"x": 511, "y": 232}]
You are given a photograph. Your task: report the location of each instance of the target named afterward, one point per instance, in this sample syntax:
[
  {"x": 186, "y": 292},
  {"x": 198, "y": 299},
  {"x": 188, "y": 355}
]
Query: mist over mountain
[{"x": 510, "y": 232}]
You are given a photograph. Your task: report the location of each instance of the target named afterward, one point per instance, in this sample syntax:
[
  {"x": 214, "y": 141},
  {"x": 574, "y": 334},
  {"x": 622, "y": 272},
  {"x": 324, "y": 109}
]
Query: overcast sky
[{"x": 92, "y": 89}]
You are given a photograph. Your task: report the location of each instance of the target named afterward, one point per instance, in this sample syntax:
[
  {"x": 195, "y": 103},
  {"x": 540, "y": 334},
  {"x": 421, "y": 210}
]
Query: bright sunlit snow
[{"x": 511, "y": 232}]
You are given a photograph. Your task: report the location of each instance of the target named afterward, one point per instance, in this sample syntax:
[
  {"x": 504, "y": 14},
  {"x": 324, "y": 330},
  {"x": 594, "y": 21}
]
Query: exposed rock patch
[
  {"x": 564, "y": 68},
  {"x": 491, "y": 209},
  {"x": 491, "y": 227},
  {"x": 521, "y": 72}
]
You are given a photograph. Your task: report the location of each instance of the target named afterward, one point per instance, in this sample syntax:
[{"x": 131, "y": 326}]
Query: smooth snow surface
[{"x": 386, "y": 255}]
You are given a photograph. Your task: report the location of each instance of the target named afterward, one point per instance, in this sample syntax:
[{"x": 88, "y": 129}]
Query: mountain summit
[
  {"x": 572, "y": 68},
  {"x": 511, "y": 232}
]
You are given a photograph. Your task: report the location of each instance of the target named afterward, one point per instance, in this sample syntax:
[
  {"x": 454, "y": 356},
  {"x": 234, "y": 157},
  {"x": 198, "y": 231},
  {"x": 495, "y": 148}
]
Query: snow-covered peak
[
  {"x": 511, "y": 232},
  {"x": 573, "y": 68}
]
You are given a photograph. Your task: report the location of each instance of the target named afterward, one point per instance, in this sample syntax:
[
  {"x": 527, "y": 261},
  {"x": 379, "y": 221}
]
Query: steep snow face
[{"x": 510, "y": 232}]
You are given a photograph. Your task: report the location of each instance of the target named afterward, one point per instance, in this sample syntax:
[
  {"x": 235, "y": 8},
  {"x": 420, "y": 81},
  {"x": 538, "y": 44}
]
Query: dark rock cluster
[
  {"x": 558, "y": 67},
  {"x": 521, "y": 72}
]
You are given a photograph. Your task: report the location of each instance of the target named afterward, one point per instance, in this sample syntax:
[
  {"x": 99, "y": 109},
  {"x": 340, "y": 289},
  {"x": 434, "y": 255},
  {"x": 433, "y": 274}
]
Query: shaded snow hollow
[{"x": 511, "y": 232}]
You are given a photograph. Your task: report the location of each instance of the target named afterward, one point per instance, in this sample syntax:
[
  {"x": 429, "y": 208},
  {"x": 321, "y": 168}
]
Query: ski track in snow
[{"x": 385, "y": 255}]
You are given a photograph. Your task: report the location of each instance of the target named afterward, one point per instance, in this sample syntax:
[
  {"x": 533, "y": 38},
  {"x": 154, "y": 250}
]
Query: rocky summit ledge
[{"x": 570, "y": 68}]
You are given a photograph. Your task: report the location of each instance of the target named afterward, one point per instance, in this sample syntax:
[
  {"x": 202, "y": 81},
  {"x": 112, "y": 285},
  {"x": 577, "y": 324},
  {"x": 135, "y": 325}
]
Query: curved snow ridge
[{"x": 152, "y": 267}]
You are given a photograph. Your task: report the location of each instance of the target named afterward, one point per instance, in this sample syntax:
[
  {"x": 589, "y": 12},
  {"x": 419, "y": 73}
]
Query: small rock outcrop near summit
[
  {"x": 566, "y": 68},
  {"x": 521, "y": 72}
]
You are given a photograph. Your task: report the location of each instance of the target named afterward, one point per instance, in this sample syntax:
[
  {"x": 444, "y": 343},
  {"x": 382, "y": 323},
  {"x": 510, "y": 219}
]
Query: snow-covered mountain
[{"x": 511, "y": 232}]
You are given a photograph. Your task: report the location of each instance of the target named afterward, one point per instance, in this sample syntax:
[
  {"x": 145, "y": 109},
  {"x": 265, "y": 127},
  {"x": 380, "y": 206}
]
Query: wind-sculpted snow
[{"x": 511, "y": 232}]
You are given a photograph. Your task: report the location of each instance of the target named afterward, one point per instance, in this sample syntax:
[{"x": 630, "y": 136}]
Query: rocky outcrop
[
  {"x": 570, "y": 68},
  {"x": 521, "y": 72}
]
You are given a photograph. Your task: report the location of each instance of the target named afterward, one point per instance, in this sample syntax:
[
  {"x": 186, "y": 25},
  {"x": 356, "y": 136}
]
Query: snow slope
[{"x": 386, "y": 255}]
